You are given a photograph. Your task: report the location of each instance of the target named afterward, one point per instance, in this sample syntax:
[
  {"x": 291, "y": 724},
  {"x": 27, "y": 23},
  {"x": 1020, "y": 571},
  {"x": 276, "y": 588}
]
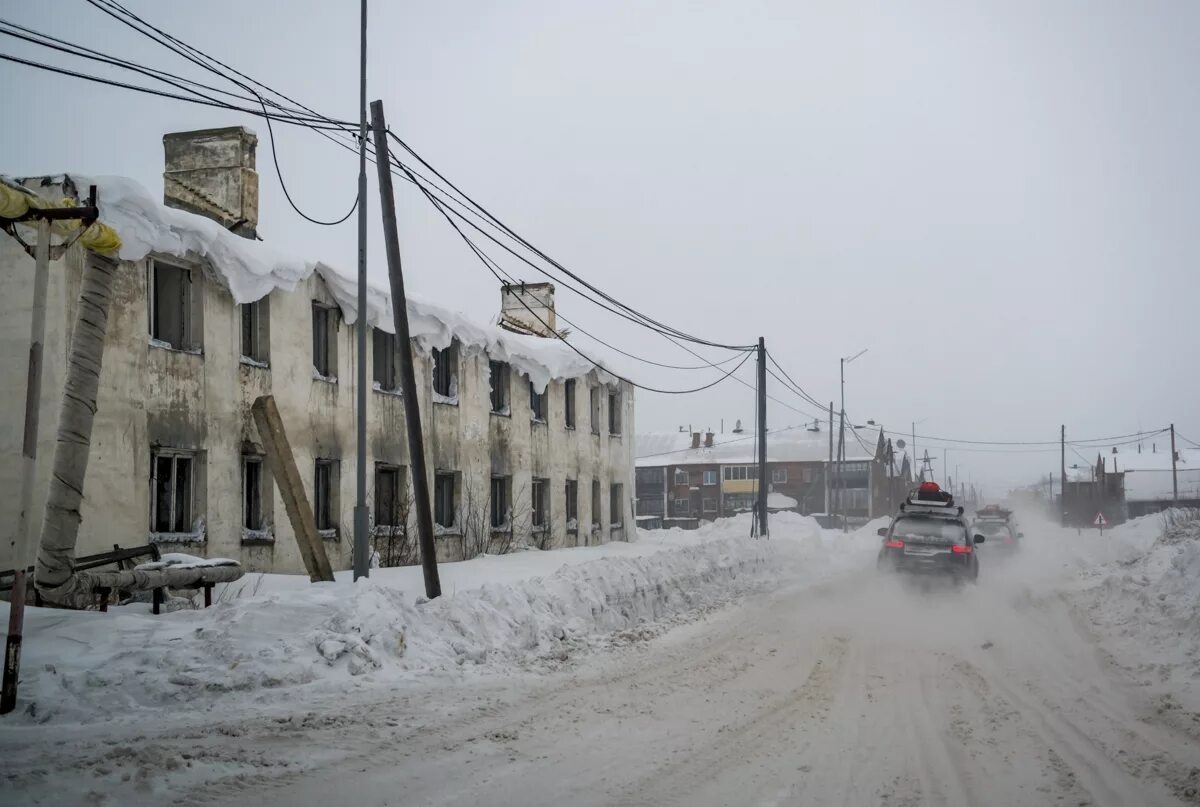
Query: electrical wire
[
  {"x": 799, "y": 390},
  {"x": 721, "y": 443},
  {"x": 1079, "y": 442}
]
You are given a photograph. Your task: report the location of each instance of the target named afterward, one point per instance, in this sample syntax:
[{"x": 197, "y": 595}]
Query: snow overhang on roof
[
  {"x": 790, "y": 444},
  {"x": 251, "y": 270}
]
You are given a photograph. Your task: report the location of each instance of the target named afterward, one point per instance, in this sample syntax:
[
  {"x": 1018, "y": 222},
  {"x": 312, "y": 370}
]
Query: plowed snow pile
[
  {"x": 1146, "y": 605},
  {"x": 520, "y": 610}
]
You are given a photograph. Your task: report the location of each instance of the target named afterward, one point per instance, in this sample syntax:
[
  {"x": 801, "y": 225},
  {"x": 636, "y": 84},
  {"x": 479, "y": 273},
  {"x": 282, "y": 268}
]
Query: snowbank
[
  {"x": 499, "y": 613},
  {"x": 251, "y": 270}
]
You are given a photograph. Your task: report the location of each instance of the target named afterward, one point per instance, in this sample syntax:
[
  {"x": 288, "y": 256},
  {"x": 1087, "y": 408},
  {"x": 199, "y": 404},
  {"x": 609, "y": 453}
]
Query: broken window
[
  {"x": 595, "y": 502},
  {"x": 172, "y": 479},
  {"x": 389, "y": 509},
  {"x": 501, "y": 487},
  {"x": 170, "y": 301},
  {"x": 572, "y": 502},
  {"x": 445, "y": 366},
  {"x": 614, "y": 412},
  {"x": 537, "y": 403},
  {"x": 325, "y": 489},
  {"x": 569, "y": 402},
  {"x": 616, "y": 505},
  {"x": 498, "y": 378},
  {"x": 256, "y": 331},
  {"x": 324, "y": 322},
  {"x": 594, "y": 408},
  {"x": 540, "y": 504},
  {"x": 385, "y": 361},
  {"x": 443, "y": 499}
]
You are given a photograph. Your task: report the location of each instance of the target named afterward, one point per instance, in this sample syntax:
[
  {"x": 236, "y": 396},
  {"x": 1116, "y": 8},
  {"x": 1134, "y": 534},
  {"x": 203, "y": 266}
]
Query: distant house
[
  {"x": 1148, "y": 481},
  {"x": 1091, "y": 490},
  {"x": 702, "y": 475}
]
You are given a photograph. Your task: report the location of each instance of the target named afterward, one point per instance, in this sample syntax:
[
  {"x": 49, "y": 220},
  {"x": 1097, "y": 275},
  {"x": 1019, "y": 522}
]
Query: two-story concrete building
[{"x": 526, "y": 442}]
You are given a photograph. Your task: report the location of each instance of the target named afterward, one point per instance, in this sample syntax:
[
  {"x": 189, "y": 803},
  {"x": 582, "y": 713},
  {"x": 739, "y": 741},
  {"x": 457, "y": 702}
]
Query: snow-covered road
[{"x": 859, "y": 690}]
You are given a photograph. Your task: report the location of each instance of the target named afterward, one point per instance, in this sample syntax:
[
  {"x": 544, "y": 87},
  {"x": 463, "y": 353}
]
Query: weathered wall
[{"x": 150, "y": 395}]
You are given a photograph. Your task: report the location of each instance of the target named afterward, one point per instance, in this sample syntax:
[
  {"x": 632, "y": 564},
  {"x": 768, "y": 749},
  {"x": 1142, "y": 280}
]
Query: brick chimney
[
  {"x": 695, "y": 439},
  {"x": 528, "y": 308},
  {"x": 211, "y": 172},
  {"x": 708, "y": 438}
]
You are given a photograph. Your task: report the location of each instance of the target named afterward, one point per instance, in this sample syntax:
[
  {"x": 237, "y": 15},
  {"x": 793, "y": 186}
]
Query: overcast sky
[{"x": 997, "y": 200}]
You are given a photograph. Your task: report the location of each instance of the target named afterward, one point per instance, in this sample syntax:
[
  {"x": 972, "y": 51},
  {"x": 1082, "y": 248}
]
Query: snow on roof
[
  {"x": 251, "y": 270},
  {"x": 790, "y": 444}
]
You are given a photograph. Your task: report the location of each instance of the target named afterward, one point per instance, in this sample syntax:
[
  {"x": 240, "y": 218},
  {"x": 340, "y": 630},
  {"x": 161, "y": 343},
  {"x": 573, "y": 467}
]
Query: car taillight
[
  {"x": 894, "y": 543},
  {"x": 962, "y": 549}
]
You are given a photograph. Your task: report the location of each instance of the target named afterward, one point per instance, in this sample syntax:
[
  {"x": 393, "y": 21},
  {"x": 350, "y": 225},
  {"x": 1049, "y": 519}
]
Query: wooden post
[
  {"x": 282, "y": 464},
  {"x": 1174, "y": 470}
]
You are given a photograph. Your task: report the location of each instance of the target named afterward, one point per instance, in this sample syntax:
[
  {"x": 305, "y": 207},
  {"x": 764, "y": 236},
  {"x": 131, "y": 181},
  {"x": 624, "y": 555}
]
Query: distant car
[
  {"x": 930, "y": 535},
  {"x": 1002, "y": 536}
]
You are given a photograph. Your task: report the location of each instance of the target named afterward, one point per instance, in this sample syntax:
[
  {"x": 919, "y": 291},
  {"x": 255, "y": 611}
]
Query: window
[
  {"x": 649, "y": 478},
  {"x": 445, "y": 377},
  {"x": 594, "y": 408},
  {"x": 540, "y": 512},
  {"x": 252, "y": 493},
  {"x": 738, "y": 473},
  {"x": 595, "y": 502},
  {"x": 779, "y": 475},
  {"x": 569, "y": 402},
  {"x": 324, "y": 322},
  {"x": 501, "y": 486},
  {"x": 710, "y": 477},
  {"x": 256, "y": 334},
  {"x": 681, "y": 507},
  {"x": 325, "y": 509},
  {"x": 537, "y": 403},
  {"x": 614, "y": 412},
  {"x": 650, "y": 506},
  {"x": 173, "y": 503},
  {"x": 682, "y": 477},
  {"x": 443, "y": 499},
  {"x": 710, "y": 505},
  {"x": 389, "y": 510},
  {"x": 572, "y": 503},
  {"x": 172, "y": 306},
  {"x": 616, "y": 505},
  {"x": 499, "y": 373},
  {"x": 385, "y": 361}
]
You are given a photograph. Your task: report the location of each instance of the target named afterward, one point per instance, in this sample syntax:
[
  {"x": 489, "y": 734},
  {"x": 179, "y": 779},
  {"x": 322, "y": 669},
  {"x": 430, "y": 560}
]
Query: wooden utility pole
[
  {"x": 1174, "y": 471},
  {"x": 362, "y": 539},
  {"x": 762, "y": 438},
  {"x": 282, "y": 465},
  {"x": 1062, "y": 443},
  {"x": 829, "y": 467},
  {"x": 408, "y": 380}
]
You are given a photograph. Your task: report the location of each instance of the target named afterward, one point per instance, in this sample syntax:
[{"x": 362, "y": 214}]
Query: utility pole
[
  {"x": 762, "y": 438},
  {"x": 829, "y": 467},
  {"x": 913, "y": 451},
  {"x": 408, "y": 381},
  {"x": 1174, "y": 471},
  {"x": 362, "y": 541},
  {"x": 1062, "y": 443},
  {"x": 23, "y": 538}
]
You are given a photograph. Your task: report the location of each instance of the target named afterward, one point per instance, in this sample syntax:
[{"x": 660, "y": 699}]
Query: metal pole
[
  {"x": 1174, "y": 471},
  {"x": 841, "y": 494},
  {"x": 22, "y": 538},
  {"x": 829, "y": 467},
  {"x": 1063, "y": 474},
  {"x": 408, "y": 381},
  {"x": 362, "y": 540},
  {"x": 762, "y": 438}
]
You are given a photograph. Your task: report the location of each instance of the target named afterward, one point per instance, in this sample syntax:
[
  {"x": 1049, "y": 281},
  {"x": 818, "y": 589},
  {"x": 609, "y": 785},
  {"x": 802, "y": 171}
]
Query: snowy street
[{"x": 851, "y": 689}]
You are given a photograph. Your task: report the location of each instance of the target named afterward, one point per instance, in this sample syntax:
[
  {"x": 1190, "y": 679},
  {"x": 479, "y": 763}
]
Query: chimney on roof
[
  {"x": 528, "y": 308},
  {"x": 708, "y": 437},
  {"x": 210, "y": 172},
  {"x": 737, "y": 427},
  {"x": 695, "y": 439}
]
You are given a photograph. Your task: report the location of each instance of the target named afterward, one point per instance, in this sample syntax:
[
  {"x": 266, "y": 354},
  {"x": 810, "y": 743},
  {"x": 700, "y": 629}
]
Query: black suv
[{"x": 930, "y": 535}]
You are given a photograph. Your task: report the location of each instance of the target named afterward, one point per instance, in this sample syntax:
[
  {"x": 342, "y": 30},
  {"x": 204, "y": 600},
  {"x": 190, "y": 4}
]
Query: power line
[
  {"x": 1080, "y": 442},
  {"x": 798, "y": 389}
]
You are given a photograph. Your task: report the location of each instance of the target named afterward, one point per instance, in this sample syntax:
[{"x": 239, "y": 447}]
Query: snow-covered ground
[{"x": 688, "y": 667}]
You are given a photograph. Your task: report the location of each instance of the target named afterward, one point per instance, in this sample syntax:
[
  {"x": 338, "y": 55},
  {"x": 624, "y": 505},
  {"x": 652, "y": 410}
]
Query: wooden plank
[{"x": 282, "y": 463}]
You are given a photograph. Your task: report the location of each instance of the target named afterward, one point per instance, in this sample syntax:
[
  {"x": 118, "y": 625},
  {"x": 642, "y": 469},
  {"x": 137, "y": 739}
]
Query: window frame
[
  {"x": 443, "y": 371},
  {"x": 253, "y": 497},
  {"x": 189, "y": 327},
  {"x": 569, "y": 404},
  {"x": 614, "y": 412},
  {"x": 682, "y": 477},
  {"x": 397, "y": 519},
  {"x": 505, "y": 488},
  {"x": 537, "y": 404},
  {"x": 500, "y": 387},
  {"x": 324, "y": 333},
  {"x": 596, "y": 503},
  {"x": 259, "y": 332},
  {"x": 571, "y": 503},
  {"x": 714, "y": 476},
  {"x": 704, "y": 504},
  {"x": 594, "y": 407},
  {"x": 325, "y": 504},
  {"x": 539, "y": 504},
  {"x": 389, "y": 345},
  {"x": 444, "y": 505},
  {"x": 616, "y": 505},
  {"x": 779, "y": 476},
  {"x": 174, "y": 455},
  {"x": 683, "y": 507}
]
